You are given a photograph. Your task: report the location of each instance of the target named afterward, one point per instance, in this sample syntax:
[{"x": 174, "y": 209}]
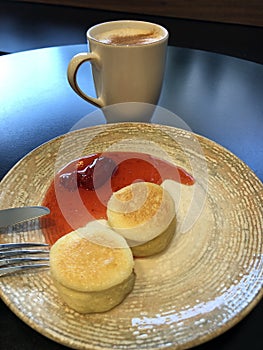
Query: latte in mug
[
  {"x": 127, "y": 61},
  {"x": 129, "y": 36}
]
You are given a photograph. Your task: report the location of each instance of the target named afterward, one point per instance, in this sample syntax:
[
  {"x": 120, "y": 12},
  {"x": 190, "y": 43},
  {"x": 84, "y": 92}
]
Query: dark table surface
[{"x": 217, "y": 96}]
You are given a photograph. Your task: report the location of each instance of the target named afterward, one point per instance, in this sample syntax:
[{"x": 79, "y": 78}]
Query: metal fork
[{"x": 16, "y": 257}]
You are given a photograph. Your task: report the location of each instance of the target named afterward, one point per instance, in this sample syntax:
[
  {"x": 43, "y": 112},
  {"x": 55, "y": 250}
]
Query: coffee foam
[{"x": 129, "y": 36}]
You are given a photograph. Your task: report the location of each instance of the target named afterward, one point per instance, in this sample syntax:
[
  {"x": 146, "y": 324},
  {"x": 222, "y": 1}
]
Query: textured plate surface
[{"x": 208, "y": 279}]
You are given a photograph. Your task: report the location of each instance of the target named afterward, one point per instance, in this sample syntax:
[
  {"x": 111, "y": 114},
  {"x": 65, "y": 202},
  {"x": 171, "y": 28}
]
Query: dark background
[{"x": 25, "y": 25}]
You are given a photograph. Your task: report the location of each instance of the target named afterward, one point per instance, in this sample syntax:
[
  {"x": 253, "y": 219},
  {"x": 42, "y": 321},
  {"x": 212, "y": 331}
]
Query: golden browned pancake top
[
  {"x": 140, "y": 211},
  {"x": 149, "y": 205},
  {"x": 77, "y": 262}
]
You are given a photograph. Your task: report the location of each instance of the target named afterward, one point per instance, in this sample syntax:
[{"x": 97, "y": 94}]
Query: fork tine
[
  {"x": 12, "y": 261},
  {"x": 10, "y": 253},
  {"x": 22, "y": 245},
  {"x": 12, "y": 269},
  {"x": 15, "y": 249}
]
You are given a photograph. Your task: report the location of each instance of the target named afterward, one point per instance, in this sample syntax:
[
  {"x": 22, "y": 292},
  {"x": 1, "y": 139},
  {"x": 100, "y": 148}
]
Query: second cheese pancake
[{"x": 144, "y": 214}]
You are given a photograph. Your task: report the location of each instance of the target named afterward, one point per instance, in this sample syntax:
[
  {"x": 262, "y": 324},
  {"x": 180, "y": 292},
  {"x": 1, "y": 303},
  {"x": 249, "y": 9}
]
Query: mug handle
[{"x": 72, "y": 71}]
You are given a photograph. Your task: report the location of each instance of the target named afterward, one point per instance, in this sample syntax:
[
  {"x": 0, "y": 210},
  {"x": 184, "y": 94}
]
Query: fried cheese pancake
[
  {"x": 92, "y": 268},
  {"x": 144, "y": 214}
]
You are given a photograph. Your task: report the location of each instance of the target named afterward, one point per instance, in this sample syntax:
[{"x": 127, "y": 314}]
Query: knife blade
[{"x": 12, "y": 216}]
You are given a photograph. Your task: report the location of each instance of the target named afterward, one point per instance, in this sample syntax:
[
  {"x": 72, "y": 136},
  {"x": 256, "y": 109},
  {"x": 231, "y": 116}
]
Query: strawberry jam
[{"x": 80, "y": 191}]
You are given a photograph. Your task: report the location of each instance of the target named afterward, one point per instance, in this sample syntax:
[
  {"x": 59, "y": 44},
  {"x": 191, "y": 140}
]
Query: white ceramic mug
[{"x": 128, "y": 61}]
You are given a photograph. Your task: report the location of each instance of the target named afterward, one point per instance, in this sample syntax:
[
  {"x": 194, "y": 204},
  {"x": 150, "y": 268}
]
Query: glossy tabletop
[{"x": 217, "y": 96}]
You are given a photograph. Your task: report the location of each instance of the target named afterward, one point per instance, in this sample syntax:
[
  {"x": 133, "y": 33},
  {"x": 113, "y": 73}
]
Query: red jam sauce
[{"x": 80, "y": 191}]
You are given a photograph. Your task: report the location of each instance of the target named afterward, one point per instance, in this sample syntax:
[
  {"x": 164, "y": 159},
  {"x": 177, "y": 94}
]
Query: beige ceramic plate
[{"x": 207, "y": 280}]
